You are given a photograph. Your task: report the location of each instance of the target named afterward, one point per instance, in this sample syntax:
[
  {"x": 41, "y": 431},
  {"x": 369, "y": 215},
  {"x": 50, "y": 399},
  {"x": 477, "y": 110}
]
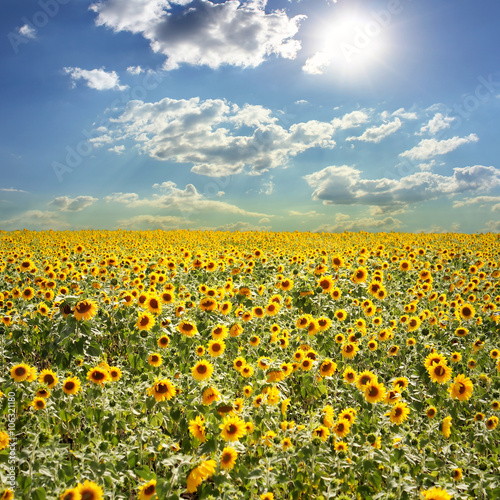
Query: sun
[{"x": 353, "y": 42}]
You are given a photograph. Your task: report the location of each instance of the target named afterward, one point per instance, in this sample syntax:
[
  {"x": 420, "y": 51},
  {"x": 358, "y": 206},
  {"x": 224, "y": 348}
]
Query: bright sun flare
[{"x": 352, "y": 43}]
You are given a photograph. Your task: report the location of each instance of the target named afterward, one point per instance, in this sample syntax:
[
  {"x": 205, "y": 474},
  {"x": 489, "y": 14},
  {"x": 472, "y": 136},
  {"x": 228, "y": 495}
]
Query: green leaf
[{"x": 255, "y": 474}]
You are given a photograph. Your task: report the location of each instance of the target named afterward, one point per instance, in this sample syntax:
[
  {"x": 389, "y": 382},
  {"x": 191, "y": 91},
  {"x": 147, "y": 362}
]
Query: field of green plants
[{"x": 218, "y": 365}]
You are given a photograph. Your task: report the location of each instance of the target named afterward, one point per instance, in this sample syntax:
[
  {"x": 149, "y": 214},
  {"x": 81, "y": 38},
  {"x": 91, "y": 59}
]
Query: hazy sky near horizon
[{"x": 309, "y": 115}]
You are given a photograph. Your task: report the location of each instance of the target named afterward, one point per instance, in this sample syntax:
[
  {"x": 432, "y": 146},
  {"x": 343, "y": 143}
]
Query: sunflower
[
  {"x": 86, "y": 309},
  {"x": 491, "y": 422},
  {"x": 327, "y": 368},
  {"x": 71, "y": 385},
  {"x": 461, "y": 331},
  {"x": 232, "y": 428},
  {"x": 254, "y": 340},
  {"x": 162, "y": 390},
  {"x": 360, "y": 275},
  {"x": 145, "y": 321},
  {"x": 49, "y": 378},
  {"x": 163, "y": 341},
  {"x": 431, "y": 412},
  {"x": 147, "y": 490},
  {"x": 239, "y": 363},
  {"x": 32, "y": 375},
  {"x": 455, "y": 357},
  {"x": 461, "y": 388},
  {"x": 42, "y": 393},
  {"x": 28, "y": 293},
  {"x": 38, "y": 403},
  {"x": 457, "y": 474},
  {"x": 90, "y": 491},
  {"x": 365, "y": 378},
  {"x": 20, "y": 372},
  {"x": 440, "y": 373},
  {"x": 216, "y": 348},
  {"x": 70, "y": 494},
  {"x": 155, "y": 359},
  {"x": 197, "y": 429},
  {"x": 446, "y": 426},
  {"x": 208, "y": 304},
  {"x": 202, "y": 370},
  {"x": 349, "y": 350},
  {"x": 199, "y": 474},
  {"x": 341, "y": 428},
  {"x": 247, "y": 371},
  {"x": 436, "y": 494},
  {"x": 99, "y": 375},
  {"x": 228, "y": 458},
  {"x": 400, "y": 383},
  {"x": 115, "y": 373},
  {"x": 466, "y": 311},
  {"x": 349, "y": 375},
  {"x": 399, "y": 413},
  {"x": 340, "y": 446},
  {"x": 374, "y": 392},
  {"x": 321, "y": 432},
  {"x": 210, "y": 395},
  {"x": 392, "y": 397},
  {"x": 4, "y": 440}
]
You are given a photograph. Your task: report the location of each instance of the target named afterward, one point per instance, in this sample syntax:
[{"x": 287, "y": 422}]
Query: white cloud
[
  {"x": 144, "y": 222},
  {"x": 493, "y": 226},
  {"x": 27, "y": 31},
  {"x": 343, "y": 185},
  {"x": 310, "y": 213},
  {"x": 203, "y": 32},
  {"x": 240, "y": 226},
  {"x": 117, "y": 149},
  {"x": 478, "y": 200},
  {"x": 351, "y": 120},
  {"x": 184, "y": 200},
  {"x": 317, "y": 63},
  {"x": 437, "y": 123},
  {"x": 406, "y": 115},
  {"x": 376, "y": 134},
  {"x": 267, "y": 188},
  {"x": 207, "y": 134},
  {"x": 36, "y": 220},
  {"x": 135, "y": 70},
  {"x": 345, "y": 223},
  {"x": 98, "y": 79},
  {"x": 427, "y": 148},
  {"x": 12, "y": 190},
  {"x": 66, "y": 204}
]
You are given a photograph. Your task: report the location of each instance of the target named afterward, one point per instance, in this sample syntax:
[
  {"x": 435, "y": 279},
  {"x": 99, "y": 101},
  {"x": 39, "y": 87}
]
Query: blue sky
[{"x": 281, "y": 115}]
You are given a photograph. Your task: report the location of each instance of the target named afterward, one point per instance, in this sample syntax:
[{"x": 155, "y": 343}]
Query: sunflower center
[
  {"x": 326, "y": 366},
  {"x": 153, "y": 303},
  {"x": 187, "y": 327},
  {"x": 154, "y": 359},
  {"x": 373, "y": 391},
  {"x": 69, "y": 386},
  {"x": 232, "y": 429},
  {"x": 461, "y": 388},
  {"x": 83, "y": 307},
  {"x": 48, "y": 379},
  {"x": 20, "y": 371},
  {"x": 161, "y": 388},
  {"x": 150, "y": 490},
  {"x": 216, "y": 347},
  {"x": 349, "y": 348},
  {"x": 439, "y": 371},
  {"x": 144, "y": 321},
  {"x": 201, "y": 369},
  {"x": 398, "y": 412}
]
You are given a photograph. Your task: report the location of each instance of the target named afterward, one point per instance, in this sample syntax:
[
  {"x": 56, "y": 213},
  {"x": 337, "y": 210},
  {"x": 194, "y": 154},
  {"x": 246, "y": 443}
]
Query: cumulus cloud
[
  {"x": 135, "y": 70},
  {"x": 310, "y": 213},
  {"x": 478, "y": 200},
  {"x": 36, "y": 220},
  {"x": 437, "y": 123},
  {"x": 428, "y": 148},
  {"x": 184, "y": 200},
  {"x": 406, "y": 115},
  {"x": 202, "y": 32},
  {"x": 343, "y": 185},
  {"x": 240, "y": 226},
  {"x": 98, "y": 79},
  {"x": 66, "y": 204},
  {"x": 376, "y": 134},
  {"x": 344, "y": 222},
  {"x": 493, "y": 226},
  {"x": 144, "y": 222},
  {"x": 208, "y": 134},
  {"x": 27, "y": 31},
  {"x": 317, "y": 63}
]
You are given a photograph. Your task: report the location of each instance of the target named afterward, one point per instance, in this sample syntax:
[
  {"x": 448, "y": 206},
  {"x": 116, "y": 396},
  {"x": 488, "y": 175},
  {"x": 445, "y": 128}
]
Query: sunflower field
[{"x": 257, "y": 365}]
